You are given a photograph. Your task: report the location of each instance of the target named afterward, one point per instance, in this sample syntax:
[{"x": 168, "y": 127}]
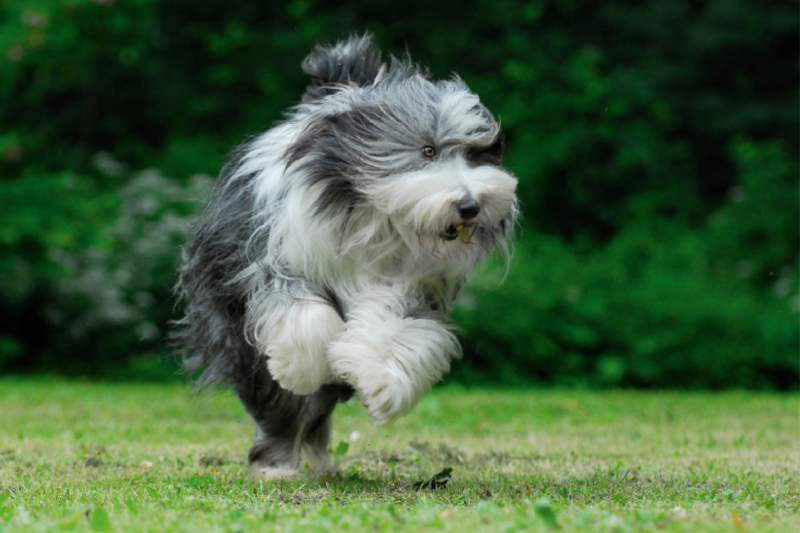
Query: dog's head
[{"x": 425, "y": 156}]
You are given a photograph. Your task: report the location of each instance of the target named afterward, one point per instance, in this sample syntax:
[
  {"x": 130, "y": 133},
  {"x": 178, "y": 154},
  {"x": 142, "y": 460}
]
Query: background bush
[{"x": 656, "y": 145}]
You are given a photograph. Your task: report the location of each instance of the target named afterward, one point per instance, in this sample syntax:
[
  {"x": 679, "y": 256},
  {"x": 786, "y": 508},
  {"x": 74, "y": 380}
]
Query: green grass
[{"x": 100, "y": 457}]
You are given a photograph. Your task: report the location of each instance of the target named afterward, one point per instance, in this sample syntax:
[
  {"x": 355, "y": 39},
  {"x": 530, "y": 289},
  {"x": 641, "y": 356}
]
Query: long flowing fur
[{"x": 329, "y": 255}]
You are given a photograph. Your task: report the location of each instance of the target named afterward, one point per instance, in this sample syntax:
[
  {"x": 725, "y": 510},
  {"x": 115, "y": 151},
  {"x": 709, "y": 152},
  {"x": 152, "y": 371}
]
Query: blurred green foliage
[{"x": 656, "y": 145}]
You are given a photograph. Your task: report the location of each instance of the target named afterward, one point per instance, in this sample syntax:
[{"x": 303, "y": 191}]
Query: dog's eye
[{"x": 428, "y": 151}]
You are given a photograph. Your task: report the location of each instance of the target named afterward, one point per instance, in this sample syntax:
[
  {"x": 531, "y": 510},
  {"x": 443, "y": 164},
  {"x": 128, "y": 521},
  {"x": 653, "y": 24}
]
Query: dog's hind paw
[
  {"x": 272, "y": 473},
  {"x": 315, "y": 463}
]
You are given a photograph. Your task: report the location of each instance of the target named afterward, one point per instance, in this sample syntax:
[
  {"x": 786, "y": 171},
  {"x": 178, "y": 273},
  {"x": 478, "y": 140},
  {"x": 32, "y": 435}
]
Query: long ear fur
[{"x": 356, "y": 61}]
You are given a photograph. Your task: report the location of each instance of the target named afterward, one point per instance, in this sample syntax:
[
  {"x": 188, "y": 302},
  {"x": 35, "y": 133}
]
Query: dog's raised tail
[{"x": 356, "y": 61}]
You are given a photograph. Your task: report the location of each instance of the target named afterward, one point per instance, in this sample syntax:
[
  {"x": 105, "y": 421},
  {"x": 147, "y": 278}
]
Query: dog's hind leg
[
  {"x": 317, "y": 432},
  {"x": 280, "y": 418},
  {"x": 292, "y": 431}
]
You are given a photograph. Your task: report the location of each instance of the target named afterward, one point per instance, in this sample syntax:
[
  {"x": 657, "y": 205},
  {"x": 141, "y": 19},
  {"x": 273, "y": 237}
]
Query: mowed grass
[{"x": 109, "y": 457}]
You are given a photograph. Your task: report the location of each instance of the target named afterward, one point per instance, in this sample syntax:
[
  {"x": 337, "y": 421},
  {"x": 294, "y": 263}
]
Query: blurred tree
[{"x": 656, "y": 145}]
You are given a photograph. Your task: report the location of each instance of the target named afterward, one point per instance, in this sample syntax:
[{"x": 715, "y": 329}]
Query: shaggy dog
[{"x": 329, "y": 255}]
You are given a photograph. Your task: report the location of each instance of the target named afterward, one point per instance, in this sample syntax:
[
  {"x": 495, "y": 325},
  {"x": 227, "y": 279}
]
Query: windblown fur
[{"x": 329, "y": 255}]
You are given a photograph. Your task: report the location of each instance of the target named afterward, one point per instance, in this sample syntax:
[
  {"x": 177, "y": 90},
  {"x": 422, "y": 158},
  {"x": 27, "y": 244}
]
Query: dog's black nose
[{"x": 468, "y": 209}]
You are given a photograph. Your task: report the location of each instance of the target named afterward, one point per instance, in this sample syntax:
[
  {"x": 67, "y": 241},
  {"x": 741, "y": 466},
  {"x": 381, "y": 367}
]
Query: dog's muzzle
[
  {"x": 467, "y": 209},
  {"x": 462, "y": 229}
]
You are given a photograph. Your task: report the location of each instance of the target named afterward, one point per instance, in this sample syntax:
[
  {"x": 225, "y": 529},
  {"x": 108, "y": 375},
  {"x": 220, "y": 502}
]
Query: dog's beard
[{"x": 423, "y": 209}]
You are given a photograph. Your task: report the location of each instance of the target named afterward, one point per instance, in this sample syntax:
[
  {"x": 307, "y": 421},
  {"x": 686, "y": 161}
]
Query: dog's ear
[
  {"x": 355, "y": 62},
  {"x": 327, "y": 159},
  {"x": 492, "y": 154}
]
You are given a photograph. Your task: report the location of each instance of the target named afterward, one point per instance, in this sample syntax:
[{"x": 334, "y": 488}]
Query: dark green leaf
[{"x": 436, "y": 482}]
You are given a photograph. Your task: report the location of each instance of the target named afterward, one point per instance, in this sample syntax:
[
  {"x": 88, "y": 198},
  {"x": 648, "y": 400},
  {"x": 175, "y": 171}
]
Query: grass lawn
[{"x": 108, "y": 457}]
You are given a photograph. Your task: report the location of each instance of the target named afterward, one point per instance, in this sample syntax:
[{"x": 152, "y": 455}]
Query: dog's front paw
[
  {"x": 392, "y": 361},
  {"x": 300, "y": 373},
  {"x": 384, "y": 388},
  {"x": 297, "y": 349},
  {"x": 388, "y": 393}
]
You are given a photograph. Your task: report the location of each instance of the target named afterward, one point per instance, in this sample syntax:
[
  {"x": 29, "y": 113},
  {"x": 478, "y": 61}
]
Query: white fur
[
  {"x": 270, "y": 473},
  {"x": 294, "y": 332},
  {"x": 297, "y": 348},
  {"x": 420, "y": 205},
  {"x": 390, "y": 358}
]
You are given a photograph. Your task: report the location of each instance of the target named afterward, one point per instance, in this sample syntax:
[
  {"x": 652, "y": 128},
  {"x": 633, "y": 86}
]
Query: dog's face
[{"x": 427, "y": 156}]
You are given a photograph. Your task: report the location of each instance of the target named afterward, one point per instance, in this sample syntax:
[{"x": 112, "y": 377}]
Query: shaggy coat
[{"x": 329, "y": 255}]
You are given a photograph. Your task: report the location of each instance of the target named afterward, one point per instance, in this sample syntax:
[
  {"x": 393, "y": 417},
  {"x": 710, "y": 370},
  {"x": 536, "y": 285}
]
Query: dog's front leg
[
  {"x": 392, "y": 351},
  {"x": 293, "y": 329}
]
